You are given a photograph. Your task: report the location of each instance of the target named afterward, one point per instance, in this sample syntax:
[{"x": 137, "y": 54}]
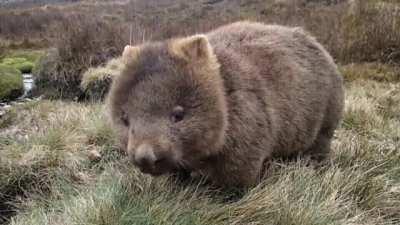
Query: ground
[
  {"x": 49, "y": 174},
  {"x": 59, "y": 163}
]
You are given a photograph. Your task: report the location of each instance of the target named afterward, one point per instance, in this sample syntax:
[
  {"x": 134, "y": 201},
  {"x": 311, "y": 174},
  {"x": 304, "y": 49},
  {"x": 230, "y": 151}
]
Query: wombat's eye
[{"x": 178, "y": 113}]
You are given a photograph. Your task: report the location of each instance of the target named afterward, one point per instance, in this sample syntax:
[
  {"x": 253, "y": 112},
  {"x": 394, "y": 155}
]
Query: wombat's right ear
[
  {"x": 192, "y": 48},
  {"x": 130, "y": 53}
]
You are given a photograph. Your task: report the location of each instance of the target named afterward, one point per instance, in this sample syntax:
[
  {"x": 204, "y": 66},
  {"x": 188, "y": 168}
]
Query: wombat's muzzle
[{"x": 149, "y": 161}]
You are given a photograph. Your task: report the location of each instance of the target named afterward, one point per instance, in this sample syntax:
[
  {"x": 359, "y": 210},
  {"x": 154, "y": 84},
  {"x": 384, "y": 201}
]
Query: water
[{"x": 28, "y": 83}]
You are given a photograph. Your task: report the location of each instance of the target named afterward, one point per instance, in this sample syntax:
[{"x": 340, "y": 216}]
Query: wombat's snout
[{"x": 147, "y": 159}]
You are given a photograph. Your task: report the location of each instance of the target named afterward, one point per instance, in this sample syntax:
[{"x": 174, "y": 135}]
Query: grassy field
[{"x": 60, "y": 165}]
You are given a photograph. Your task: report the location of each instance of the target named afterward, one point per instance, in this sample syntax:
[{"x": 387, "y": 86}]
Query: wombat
[{"x": 221, "y": 104}]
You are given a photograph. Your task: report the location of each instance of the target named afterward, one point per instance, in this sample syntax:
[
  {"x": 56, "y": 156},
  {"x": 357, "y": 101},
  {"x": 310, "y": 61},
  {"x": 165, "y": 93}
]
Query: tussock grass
[
  {"x": 45, "y": 144},
  {"x": 96, "y": 81},
  {"x": 48, "y": 178}
]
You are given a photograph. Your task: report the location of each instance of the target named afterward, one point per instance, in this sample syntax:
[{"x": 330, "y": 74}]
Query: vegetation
[
  {"x": 23, "y": 60},
  {"x": 96, "y": 81},
  {"x": 77, "y": 47},
  {"x": 20, "y": 64},
  {"x": 48, "y": 176},
  {"x": 11, "y": 84},
  {"x": 59, "y": 163},
  {"x": 87, "y": 34},
  {"x": 371, "y": 71}
]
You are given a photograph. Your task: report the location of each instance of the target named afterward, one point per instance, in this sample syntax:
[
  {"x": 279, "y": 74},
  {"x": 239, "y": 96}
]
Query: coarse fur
[{"x": 245, "y": 93}]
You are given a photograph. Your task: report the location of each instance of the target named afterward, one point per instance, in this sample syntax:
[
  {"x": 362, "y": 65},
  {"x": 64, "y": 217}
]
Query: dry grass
[
  {"x": 47, "y": 175},
  {"x": 89, "y": 33},
  {"x": 49, "y": 179},
  {"x": 81, "y": 43},
  {"x": 96, "y": 81},
  {"x": 371, "y": 71}
]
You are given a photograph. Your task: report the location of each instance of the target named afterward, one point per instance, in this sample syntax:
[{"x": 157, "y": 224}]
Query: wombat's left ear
[
  {"x": 192, "y": 48},
  {"x": 130, "y": 53}
]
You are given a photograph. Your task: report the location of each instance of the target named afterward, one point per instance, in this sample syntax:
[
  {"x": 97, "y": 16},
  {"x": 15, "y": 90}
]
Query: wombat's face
[{"x": 168, "y": 105}]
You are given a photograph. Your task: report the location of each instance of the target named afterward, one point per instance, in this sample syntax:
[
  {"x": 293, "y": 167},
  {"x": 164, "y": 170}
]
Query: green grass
[
  {"x": 48, "y": 178},
  {"x": 11, "y": 84},
  {"x": 23, "y": 60},
  {"x": 30, "y": 55},
  {"x": 21, "y": 64}
]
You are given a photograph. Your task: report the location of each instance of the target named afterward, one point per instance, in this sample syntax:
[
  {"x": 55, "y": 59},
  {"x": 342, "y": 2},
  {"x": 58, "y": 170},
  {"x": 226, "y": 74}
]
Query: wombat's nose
[{"x": 145, "y": 157}]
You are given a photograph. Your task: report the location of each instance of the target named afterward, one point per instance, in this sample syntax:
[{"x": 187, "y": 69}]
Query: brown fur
[{"x": 249, "y": 92}]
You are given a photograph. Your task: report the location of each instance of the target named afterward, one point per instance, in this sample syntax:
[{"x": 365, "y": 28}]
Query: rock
[
  {"x": 80, "y": 177},
  {"x": 94, "y": 155}
]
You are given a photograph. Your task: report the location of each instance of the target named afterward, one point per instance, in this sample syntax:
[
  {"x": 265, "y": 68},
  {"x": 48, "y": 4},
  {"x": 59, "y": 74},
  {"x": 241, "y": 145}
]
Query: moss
[
  {"x": 20, "y": 64},
  {"x": 30, "y": 55},
  {"x": 11, "y": 83}
]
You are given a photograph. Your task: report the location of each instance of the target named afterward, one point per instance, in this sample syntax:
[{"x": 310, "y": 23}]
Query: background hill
[{"x": 31, "y": 3}]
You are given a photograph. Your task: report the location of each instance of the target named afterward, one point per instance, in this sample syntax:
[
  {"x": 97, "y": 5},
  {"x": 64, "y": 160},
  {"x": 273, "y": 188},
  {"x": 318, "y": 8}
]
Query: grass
[
  {"x": 21, "y": 64},
  {"x": 86, "y": 34},
  {"x": 22, "y": 60},
  {"x": 11, "y": 84},
  {"x": 371, "y": 71},
  {"x": 96, "y": 81},
  {"x": 28, "y": 54},
  {"x": 48, "y": 177}
]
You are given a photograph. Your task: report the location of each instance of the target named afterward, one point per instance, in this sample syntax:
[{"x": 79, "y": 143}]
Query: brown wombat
[{"x": 223, "y": 103}]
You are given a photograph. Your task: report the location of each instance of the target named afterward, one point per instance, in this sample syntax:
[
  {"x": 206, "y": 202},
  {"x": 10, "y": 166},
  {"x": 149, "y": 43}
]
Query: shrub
[
  {"x": 82, "y": 43},
  {"x": 96, "y": 81},
  {"x": 11, "y": 83},
  {"x": 371, "y": 32},
  {"x": 44, "y": 74}
]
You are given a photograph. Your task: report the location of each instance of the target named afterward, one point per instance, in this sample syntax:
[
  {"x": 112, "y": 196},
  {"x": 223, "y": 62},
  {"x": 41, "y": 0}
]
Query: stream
[{"x": 28, "y": 85}]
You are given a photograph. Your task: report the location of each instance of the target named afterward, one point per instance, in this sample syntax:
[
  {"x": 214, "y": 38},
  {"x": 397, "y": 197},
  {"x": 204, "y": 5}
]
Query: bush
[
  {"x": 11, "y": 83},
  {"x": 371, "y": 32},
  {"x": 82, "y": 43},
  {"x": 96, "y": 81}
]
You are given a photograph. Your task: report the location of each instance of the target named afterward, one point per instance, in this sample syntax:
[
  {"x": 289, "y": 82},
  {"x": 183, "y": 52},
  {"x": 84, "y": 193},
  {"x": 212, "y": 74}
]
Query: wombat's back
[{"x": 286, "y": 77}]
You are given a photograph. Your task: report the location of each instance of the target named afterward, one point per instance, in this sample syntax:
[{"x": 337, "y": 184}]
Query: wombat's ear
[
  {"x": 192, "y": 48},
  {"x": 130, "y": 53}
]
